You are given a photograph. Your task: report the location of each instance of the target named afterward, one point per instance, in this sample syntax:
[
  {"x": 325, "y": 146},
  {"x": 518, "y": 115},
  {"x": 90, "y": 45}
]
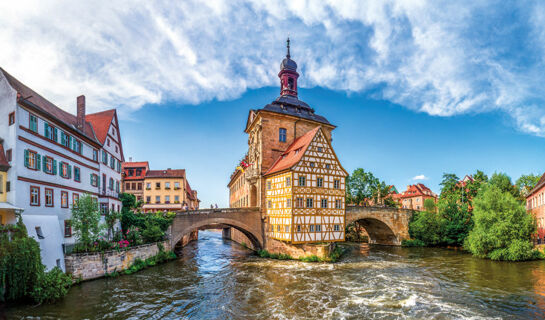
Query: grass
[
  {"x": 334, "y": 256},
  {"x": 278, "y": 256},
  {"x": 140, "y": 264}
]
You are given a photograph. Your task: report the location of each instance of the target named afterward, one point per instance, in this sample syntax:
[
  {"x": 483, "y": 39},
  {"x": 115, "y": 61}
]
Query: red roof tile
[
  {"x": 538, "y": 186},
  {"x": 169, "y": 173},
  {"x": 101, "y": 123},
  {"x": 32, "y": 97},
  {"x": 294, "y": 153},
  {"x": 135, "y": 164},
  {"x": 417, "y": 190}
]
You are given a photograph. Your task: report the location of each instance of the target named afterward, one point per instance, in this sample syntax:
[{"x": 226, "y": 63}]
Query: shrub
[
  {"x": 312, "y": 258},
  {"x": 152, "y": 233},
  {"x": 413, "y": 243},
  {"x": 51, "y": 286}
]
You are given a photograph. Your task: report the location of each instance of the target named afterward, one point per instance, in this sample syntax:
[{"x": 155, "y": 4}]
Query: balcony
[{"x": 108, "y": 193}]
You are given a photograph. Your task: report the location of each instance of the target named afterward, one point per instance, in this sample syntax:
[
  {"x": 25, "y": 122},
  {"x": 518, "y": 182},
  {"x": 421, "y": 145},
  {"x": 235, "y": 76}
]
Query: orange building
[
  {"x": 535, "y": 203},
  {"x": 133, "y": 174},
  {"x": 414, "y": 197}
]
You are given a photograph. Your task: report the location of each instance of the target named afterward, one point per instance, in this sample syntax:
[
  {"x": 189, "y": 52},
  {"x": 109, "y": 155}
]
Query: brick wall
[
  {"x": 88, "y": 266},
  {"x": 297, "y": 251}
]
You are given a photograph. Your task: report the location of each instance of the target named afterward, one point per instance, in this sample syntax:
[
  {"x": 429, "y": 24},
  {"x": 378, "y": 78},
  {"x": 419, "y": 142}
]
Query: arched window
[
  {"x": 282, "y": 135},
  {"x": 290, "y": 83}
]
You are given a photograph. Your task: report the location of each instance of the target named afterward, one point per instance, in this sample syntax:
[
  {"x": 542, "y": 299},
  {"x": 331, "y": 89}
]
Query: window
[
  {"x": 95, "y": 154},
  {"x": 287, "y": 229},
  {"x": 328, "y": 166},
  {"x": 338, "y": 204},
  {"x": 167, "y": 185},
  {"x": 309, "y": 202},
  {"x": 50, "y": 132},
  {"x": 167, "y": 199},
  {"x": 77, "y": 174},
  {"x": 176, "y": 185},
  {"x": 288, "y": 203},
  {"x": 131, "y": 172},
  {"x": 39, "y": 233},
  {"x": 64, "y": 199},
  {"x": 108, "y": 142},
  {"x": 75, "y": 145},
  {"x": 117, "y": 186},
  {"x": 8, "y": 186},
  {"x": 278, "y": 228},
  {"x": 269, "y": 204},
  {"x": 336, "y": 184},
  {"x": 111, "y": 184},
  {"x": 148, "y": 186},
  {"x": 319, "y": 149},
  {"x": 324, "y": 203},
  {"x": 32, "y": 160},
  {"x": 112, "y": 162},
  {"x": 103, "y": 208},
  {"x": 157, "y": 185},
  {"x": 50, "y": 165},
  {"x": 65, "y": 141},
  {"x": 116, "y": 149},
  {"x": 11, "y": 118},
  {"x": 157, "y": 199},
  {"x": 312, "y": 164},
  {"x": 33, "y": 123},
  {"x": 318, "y": 228},
  {"x": 336, "y": 227},
  {"x": 48, "y": 197},
  {"x": 269, "y": 185},
  {"x": 288, "y": 182},
  {"x": 320, "y": 182},
  {"x": 34, "y": 196},
  {"x": 64, "y": 170},
  {"x": 299, "y": 202},
  {"x": 75, "y": 199},
  {"x": 139, "y": 185},
  {"x": 104, "y": 157},
  {"x": 67, "y": 228},
  {"x": 148, "y": 199},
  {"x": 311, "y": 228},
  {"x": 176, "y": 199},
  {"x": 94, "y": 180},
  {"x": 298, "y": 228},
  {"x": 8, "y": 155},
  {"x": 282, "y": 135},
  {"x": 302, "y": 181}
]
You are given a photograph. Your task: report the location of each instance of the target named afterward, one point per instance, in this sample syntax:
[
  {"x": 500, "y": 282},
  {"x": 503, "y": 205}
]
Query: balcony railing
[{"x": 109, "y": 193}]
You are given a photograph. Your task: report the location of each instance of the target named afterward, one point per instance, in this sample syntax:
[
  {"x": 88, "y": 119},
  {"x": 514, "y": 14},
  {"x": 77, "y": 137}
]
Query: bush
[
  {"x": 152, "y": 233},
  {"x": 413, "y": 243},
  {"x": 312, "y": 258},
  {"x": 51, "y": 286}
]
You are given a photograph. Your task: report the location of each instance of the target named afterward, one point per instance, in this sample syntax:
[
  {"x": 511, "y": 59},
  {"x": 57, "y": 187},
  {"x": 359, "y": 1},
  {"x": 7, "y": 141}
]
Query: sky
[{"x": 416, "y": 88}]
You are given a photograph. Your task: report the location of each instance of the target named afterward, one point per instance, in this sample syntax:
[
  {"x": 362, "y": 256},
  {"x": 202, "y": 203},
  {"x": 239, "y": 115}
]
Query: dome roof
[{"x": 287, "y": 63}]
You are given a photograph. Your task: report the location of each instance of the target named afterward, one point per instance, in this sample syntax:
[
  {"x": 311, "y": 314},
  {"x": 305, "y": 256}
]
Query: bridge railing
[{"x": 217, "y": 210}]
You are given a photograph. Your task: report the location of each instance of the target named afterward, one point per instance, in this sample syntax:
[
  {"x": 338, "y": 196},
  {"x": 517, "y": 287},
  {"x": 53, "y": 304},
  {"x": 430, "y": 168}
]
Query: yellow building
[
  {"x": 305, "y": 192},
  {"x": 168, "y": 190}
]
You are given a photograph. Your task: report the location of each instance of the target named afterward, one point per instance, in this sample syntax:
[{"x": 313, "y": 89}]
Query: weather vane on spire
[{"x": 288, "y": 45}]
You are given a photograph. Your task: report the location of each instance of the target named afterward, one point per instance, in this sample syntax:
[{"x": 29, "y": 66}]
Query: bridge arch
[
  {"x": 246, "y": 220},
  {"x": 386, "y": 226}
]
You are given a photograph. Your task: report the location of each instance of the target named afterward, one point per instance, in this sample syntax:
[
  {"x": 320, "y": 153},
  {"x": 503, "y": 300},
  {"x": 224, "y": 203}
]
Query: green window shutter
[
  {"x": 60, "y": 169},
  {"x": 98, "y": 181},
  {"x": 63, "y": 138},
  {"x": 46, "y": 129},
  {"x": 44, "y": 164},
  {"x": 26, "y": 158},
  {"x": 54, "y": 167},
  {"x": 56, "y": 135},
  {"x": 38, "y": 162},
  {"x": 91, "y": 177},
  {"x": 69, "y": 171}
]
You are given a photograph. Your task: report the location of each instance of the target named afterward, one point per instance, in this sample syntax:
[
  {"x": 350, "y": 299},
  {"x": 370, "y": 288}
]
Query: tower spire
[{"x": 288, "y": 45}]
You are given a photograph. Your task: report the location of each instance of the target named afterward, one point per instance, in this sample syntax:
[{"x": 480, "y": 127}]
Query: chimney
[{"x": 81, "y": 112}]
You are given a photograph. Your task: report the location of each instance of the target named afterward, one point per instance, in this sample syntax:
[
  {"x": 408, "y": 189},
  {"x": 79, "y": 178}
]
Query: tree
[
  {"x": 526, "y": 183},
  {"x": 85, "y": 219},
  {"x": 110, "y": 219},
  {"x": 128, "y": 201},
  {"x": 473, "y": 187},
  {"x": 449, "y": 184},
  {"x": 503, "y": 229},
  {"x": 360, "y": 186},
  {"x": 503, "y": 182},
  {"x": 456, "y": 220},
  {"x": 430, "y": 205}
]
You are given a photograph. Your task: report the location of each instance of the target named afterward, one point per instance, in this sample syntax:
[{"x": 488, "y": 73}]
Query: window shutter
[
  {"x": 46, "y": 127},
  {"x": 38, "y": 161},
  {"x": 70, "y": 142},
  {"x": 26, "y": 158},
  {"x": 54, "y": 167},
  {"x": 55, "y": 135},
  {"x": 98, "y": 181},
  {"x": 69, "y": 171},
  {"x": 63, "y": 138},
  {"x": 91, "y": 177},
  {"x": 44, "y": 164}
]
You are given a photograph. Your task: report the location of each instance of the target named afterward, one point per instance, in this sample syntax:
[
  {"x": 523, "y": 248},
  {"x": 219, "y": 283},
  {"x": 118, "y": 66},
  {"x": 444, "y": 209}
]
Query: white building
[{"x": 55, "y": 157}]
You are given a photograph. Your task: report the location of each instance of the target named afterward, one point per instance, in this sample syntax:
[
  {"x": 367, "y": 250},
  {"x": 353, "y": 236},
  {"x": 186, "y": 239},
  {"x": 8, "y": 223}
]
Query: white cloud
[
  {"x": 441, "y": 58},
  {"x": 420, "y": 177}
]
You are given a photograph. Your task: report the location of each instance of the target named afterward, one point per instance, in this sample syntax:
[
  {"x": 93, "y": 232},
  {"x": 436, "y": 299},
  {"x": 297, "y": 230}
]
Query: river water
[{"x": 218, "y": 279}]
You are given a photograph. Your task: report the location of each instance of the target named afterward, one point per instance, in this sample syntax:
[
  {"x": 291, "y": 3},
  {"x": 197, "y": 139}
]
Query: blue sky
[{"x": 416, "y": 87}]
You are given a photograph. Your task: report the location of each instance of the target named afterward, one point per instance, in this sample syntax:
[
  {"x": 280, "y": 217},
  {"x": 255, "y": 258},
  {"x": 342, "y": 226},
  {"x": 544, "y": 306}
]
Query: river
[{"x": 218, "y": 279}]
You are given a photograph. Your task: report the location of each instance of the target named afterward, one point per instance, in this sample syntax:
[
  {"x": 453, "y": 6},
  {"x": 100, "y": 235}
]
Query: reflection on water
[{"x": 217, "y": 279}]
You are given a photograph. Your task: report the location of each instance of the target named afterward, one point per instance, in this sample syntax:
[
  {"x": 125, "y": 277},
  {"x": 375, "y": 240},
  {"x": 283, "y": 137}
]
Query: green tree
[
  {"x": 526, "y": 183},
  {"x": 503, "y": 228},
  {"x": 430, "y": 205},
  {"x": 449, "y": 184},
  {"x": 426, "y": 227},
  {"x": 85, "y": 219},
  {"x": 110, "y": 219},
  {"x": 473, "y": 187},
  {"x": 503, "y": 182},
  {"x": 360, "y": 186},
  {"x": 128, "y": 202},
  {"x": 455, "y": 220}
]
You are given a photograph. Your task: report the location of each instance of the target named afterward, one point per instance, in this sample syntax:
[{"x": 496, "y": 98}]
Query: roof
[
  {"x": 538, "y": 186},
  {"x": 34, "y": 99},
  {"x": 168, "y": 173},
  {"x": 101, "y": 123},
  {"x": 292, "y": 106},
  {"x": 417, "y": 190},
  {"x": 135, "y": 164},
  {"x": 4, "y": 164},
  {"x": 293, "y": 153}
]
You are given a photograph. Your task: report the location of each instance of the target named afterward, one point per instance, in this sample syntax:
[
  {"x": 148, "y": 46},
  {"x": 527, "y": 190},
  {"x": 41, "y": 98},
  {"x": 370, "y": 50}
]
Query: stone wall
[
  {"x": 238, "y": 237},
  {"x": 86, "y": 266},
  {"x": 297, "y": 251}
]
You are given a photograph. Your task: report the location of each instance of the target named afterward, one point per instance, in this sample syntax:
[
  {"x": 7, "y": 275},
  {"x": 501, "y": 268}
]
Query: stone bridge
[
  {"x": 246, "y": 220},
  {"x": 387, "y": 226}
]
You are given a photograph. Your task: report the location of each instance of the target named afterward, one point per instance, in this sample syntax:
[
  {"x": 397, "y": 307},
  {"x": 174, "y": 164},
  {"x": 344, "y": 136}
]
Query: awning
[{"x": 8, "y": 206}]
